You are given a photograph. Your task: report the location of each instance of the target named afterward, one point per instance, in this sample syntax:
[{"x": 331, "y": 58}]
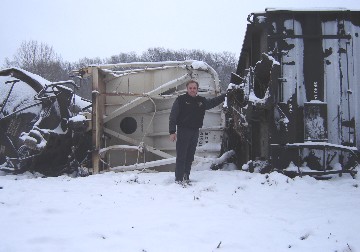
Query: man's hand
[{"x": 173, "y": 137}]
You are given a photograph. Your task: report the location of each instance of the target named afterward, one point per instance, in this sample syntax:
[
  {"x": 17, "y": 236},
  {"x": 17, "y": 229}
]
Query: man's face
[{"x": 192, "y": 89}]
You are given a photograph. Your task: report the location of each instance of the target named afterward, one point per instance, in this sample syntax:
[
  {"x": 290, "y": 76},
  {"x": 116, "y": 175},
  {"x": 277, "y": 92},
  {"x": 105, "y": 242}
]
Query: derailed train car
[
  {"x": 41, "y": 129},
  {"x": 297, "y": 93},
  {"x": 130, "y": 114}
]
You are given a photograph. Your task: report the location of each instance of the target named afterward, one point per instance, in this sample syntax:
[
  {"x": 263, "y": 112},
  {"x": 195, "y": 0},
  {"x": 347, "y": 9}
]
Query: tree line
[{"x": 41, "y": 59}]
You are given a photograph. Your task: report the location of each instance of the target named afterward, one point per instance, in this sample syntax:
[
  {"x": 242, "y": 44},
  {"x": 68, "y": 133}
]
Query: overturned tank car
[
  {"x": 41, "y": 127},
  {"x": 130, "y": 114},
  {"x": 296, "y": 104}
]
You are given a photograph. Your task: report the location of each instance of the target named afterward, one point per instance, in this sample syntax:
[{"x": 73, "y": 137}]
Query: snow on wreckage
[
  {"x": 41, "y": 129},
  {"x": 295, "y": 108}
]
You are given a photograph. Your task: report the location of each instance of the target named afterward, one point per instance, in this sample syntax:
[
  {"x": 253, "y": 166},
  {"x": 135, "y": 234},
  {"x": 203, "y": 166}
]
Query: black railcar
[{"x": 298, "y": 90}]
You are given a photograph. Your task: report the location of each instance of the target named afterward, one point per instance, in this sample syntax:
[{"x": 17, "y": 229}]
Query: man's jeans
[{"x": 185, "y": 150}]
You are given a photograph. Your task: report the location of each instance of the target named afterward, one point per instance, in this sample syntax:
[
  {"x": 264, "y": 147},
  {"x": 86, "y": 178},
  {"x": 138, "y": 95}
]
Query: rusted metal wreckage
[
  {"x": 41, "y": 129},
  {"x": 297, "y": 93}
]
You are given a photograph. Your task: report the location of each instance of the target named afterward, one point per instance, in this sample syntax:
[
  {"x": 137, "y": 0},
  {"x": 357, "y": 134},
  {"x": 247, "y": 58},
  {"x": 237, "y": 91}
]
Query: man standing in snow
[{"x": 186, "y": 117}]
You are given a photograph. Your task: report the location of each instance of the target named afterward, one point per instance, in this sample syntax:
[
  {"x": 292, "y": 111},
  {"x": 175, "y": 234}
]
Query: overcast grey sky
[{"x": 102, "y": 28}]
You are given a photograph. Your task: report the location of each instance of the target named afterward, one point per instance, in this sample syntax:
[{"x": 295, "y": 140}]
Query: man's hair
[{"x": 192, "y": 81}]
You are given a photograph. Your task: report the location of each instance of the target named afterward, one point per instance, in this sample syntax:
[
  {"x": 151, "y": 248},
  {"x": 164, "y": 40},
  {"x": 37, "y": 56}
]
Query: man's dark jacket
[{"x": 189, "y": 112}]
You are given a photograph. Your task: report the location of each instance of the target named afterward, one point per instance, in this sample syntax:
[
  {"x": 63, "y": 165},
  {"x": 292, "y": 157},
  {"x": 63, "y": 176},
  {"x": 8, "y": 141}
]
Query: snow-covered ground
[{"x": 221, "y": 211}]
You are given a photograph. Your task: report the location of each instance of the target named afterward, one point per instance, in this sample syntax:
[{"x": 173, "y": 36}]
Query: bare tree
[
  {"x": 39, "y": 58},
  {"x": 158, "y": 54},
  {"x": 224, "y": 63},
  {"x": 123, "y": 58},
  {"x": 84, "y": 62}
]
